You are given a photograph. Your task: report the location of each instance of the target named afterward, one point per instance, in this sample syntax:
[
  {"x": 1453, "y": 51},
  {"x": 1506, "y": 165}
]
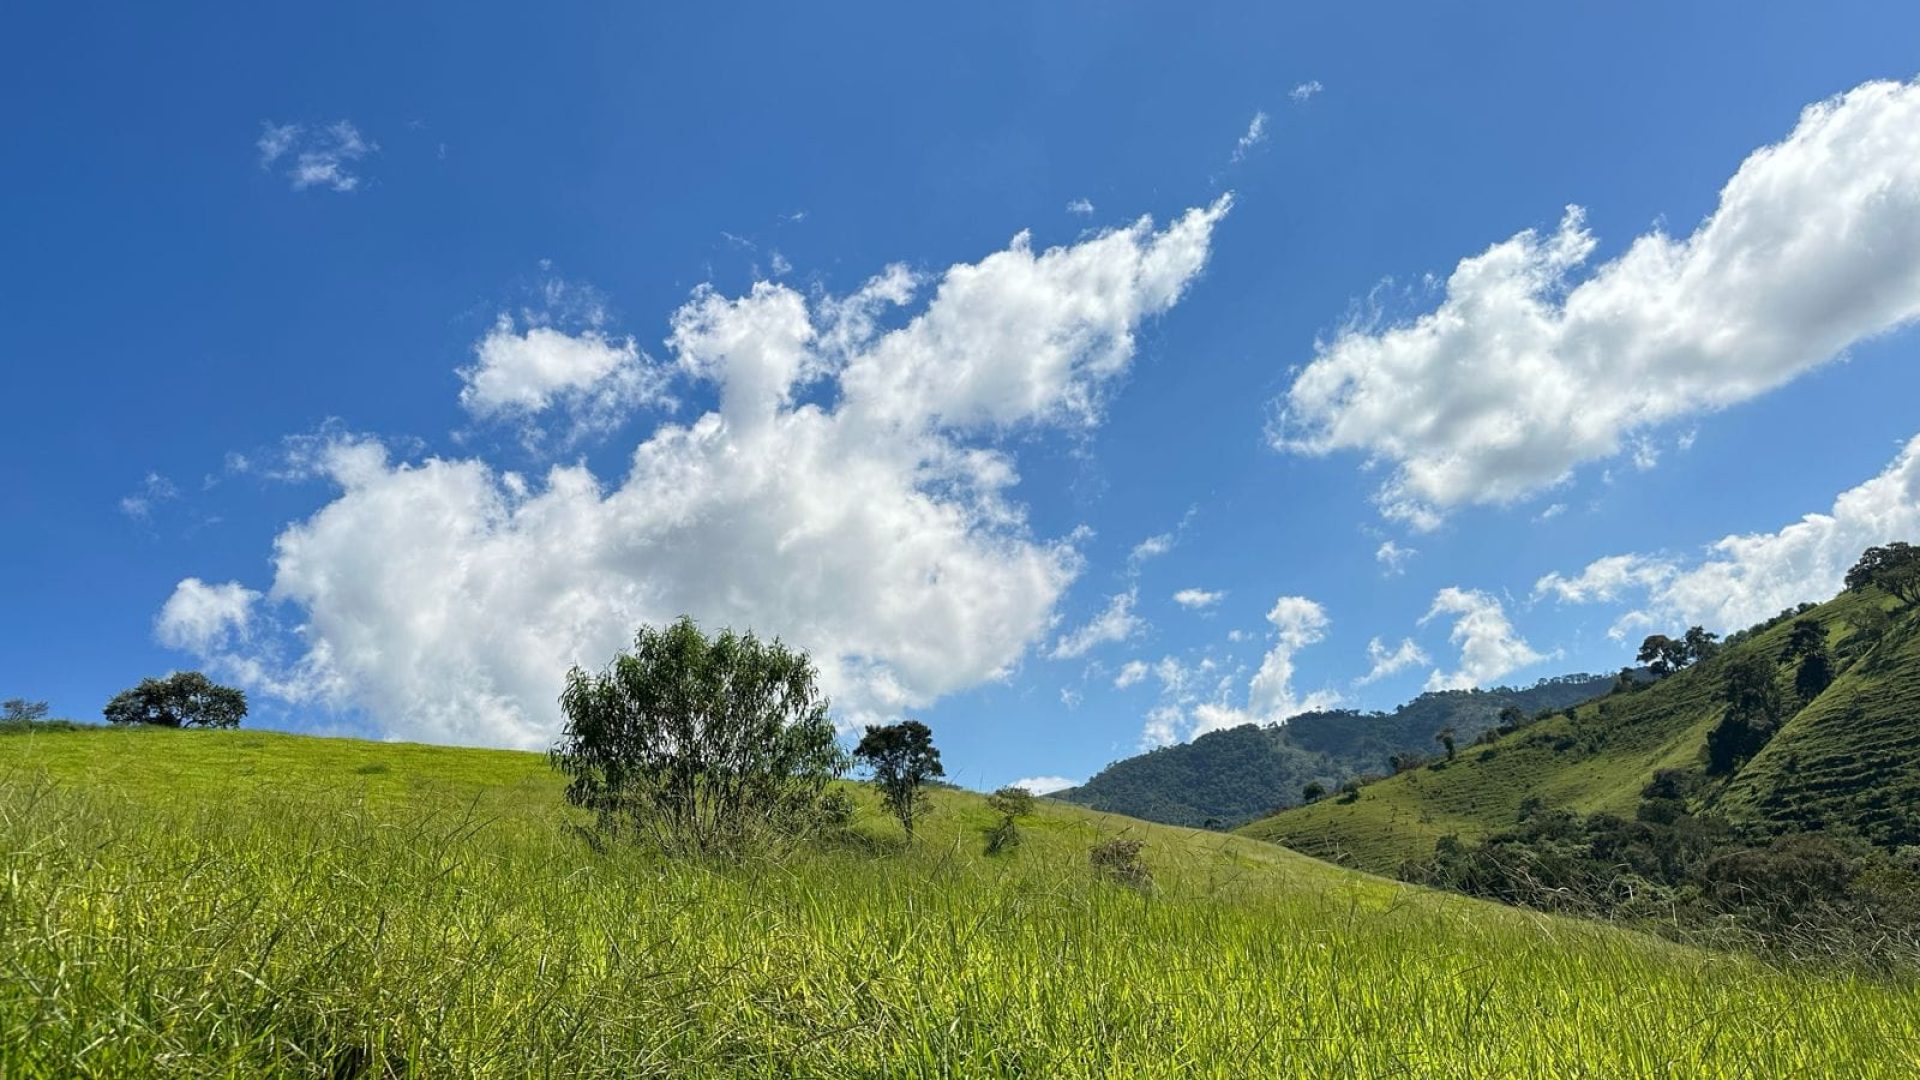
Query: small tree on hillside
[
  {"x": 182, "y": 699},
  {"x": 903, "y": 758},
  {"x": 1754, "y": 709},
  {"x": 21, "y": 711},
  {"x": 1313, "y": 792},
  {"x": 701, "y": 744},
  {"x": 1663, "y": 654},
  {"x": 1445, "y": 738},
  {"x": 1011, "y": 803},
  {"x": 1701, "y": 644},
  {"x": 1807, "y": 643}
]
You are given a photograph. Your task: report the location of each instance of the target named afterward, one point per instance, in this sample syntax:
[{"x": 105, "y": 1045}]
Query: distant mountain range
[{"x": 1228, "y": 778}]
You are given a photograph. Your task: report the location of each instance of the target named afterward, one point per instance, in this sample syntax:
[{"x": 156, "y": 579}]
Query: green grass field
[{"x": 209, "y": 904}]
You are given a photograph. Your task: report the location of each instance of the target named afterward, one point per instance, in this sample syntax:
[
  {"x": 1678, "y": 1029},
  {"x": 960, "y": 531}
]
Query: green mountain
[
  {"x": 1844, "y": 756},
  {"x": 1226, "y": 778}
]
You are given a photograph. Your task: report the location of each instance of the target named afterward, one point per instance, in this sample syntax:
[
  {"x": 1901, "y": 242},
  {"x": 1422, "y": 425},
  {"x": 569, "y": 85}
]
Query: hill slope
[
  {"x": 239, "y": 904},
  {"x": 1227, "y": 778},
  {"x": 1847, "y": 759}
]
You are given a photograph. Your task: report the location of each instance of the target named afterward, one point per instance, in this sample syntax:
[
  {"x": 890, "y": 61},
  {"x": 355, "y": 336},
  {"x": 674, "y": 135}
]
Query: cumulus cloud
[
  {"x": 322, "y": 156},
  {"x": 1255, "y": 135},
  {"x": 446, "y": 598},
  {"x": 1130, "y": 672},
  {"x": 593, "y": 379},
  {"x": 1198, "y": 598},
  {"x": 1490, "y": 648},
  {"x": 1743, "y": 579},
  {"x": 200, "y": 618},
  {"x": 1116, "y": 622},
  {"x": 1385, "y": 661},
  {"x": 1527, "y": 368},
  {"x": 1270, "y": 698},
  {"x": 1045, "y": 785}
]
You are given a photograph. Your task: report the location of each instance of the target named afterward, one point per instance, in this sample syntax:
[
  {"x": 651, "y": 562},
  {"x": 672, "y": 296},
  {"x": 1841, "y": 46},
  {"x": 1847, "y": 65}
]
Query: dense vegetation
[
  {"x": 1766, "y": 789},
  {"x": 1227, "y": 778},
  {"x": 242, "y": 904}
]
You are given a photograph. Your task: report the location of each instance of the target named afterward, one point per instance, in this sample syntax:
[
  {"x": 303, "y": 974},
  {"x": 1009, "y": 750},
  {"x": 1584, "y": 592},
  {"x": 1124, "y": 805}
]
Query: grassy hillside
[
  {"x": 1847, "y": 759},
  {"x": 1227, "y": 778},
  {"x": 213, "y": 904}
]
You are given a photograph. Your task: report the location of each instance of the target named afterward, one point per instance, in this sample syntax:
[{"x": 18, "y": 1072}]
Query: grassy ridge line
[{"x": 239, "y": 904}]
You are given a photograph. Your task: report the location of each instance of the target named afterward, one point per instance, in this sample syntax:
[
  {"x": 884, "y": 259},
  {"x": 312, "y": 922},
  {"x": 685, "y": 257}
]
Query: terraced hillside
[
  {"x": 1846, "y": 759},
  {"x": 238, "y": 904}
]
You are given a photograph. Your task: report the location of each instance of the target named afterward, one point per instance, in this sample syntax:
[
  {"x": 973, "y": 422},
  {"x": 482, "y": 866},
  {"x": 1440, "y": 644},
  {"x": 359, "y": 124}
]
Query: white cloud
[
  {"x": 1393, "y": 557},
  {"x": 597, "y": 381},
  {"x": 1083, "y": 207},
  {"x": 1525, "y": 371},
  {"x": 199, "y": 617},
  {"x": 1744, "y": 579},
  {"x": 446, "y": 598},
  {"x": 1116, "y": 622},
  {"x": 1489, "y": 646},
  {"x": 1131, "y": 672},
  {"x": 1298, "y": 622},
  {"x": 1255, "y": 135},
  {"x": 1151, "y": 548},
  {"x": 1387, "y": 661},
  {"x": 1071, "y": 698},
  {"x": 154, "y": 489},
  {"x": 321, "y": 156},
  {"x": 1305, "y": 90},
  {"x": 1198, "y": 598},
  {"x": 1045, "y": 785}
]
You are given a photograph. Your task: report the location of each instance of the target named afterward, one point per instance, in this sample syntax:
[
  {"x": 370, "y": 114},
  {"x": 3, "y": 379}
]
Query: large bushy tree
[
  {"x": 903, "y": 758},
  {"x": 182, "y": 699},
  {"x": 1892, "y": 568},
  {"x": 1755, "y": 708},
  {"x": 701, "y": 744}
]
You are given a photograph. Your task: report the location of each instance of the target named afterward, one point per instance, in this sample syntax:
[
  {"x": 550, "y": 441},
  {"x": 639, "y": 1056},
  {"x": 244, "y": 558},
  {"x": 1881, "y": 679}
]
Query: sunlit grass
[{"x": 241, "y": 904}]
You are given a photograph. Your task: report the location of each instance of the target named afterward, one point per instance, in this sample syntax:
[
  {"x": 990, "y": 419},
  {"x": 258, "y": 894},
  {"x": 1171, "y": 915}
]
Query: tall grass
[{"x": 371, "y": 926}]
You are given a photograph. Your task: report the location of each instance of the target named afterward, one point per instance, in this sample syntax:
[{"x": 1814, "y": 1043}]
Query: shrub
[
  {"x": 1012, "y": 802},
  {"x": 1119, "y": 860},
  {"x": 181, "y": 700},
  {"x": 1004, "y": 836},
  {"x": 702, "y": 745}
]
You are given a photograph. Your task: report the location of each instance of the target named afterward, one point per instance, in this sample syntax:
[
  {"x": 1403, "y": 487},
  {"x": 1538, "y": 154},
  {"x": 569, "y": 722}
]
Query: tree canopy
[
  {"x": 903, "y": 758},
  {"x": 183, "y": 699}
]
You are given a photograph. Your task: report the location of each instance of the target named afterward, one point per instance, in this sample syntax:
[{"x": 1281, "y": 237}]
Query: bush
[
  {"x": 182, "y": 700},
  {"x": 1119, "y": 860},
  {"x": 1012, "y": 801},
  {"x": 1004, "y": 836},
  {"x": 701, "y": 745}
]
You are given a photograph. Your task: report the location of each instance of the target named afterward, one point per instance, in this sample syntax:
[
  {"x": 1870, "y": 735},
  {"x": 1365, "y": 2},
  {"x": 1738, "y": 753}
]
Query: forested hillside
[{"x": 1226, "y": 778}]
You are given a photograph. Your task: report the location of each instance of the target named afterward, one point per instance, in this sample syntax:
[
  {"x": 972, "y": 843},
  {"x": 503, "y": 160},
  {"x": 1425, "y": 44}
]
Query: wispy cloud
[
  {"x": 1256, "y": 134},
  {"x": 1305, "y": 90},
  {"x": 321, "y": 157}
]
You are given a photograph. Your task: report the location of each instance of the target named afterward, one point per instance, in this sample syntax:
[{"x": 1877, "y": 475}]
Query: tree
[
  {"x": 1754, "y": 708},
  {"x": 1012, "y": 801},
  {"x": 1701, "y": 644},
  {"x": 1663, "y": 654},
  {"x": 1893, "y": 569},
  {"x": 903, "y": 758},
  {"x": 1807, "y": 643},
  {"x": 1313, "y": 792},
  {"x": 703, "y": 744},
  {"x": 22, "y": 711},
  {"x": 182, "y": 699},
  {"x": 1445, "y": 738},
  {"x": 1512, "y": 718}
]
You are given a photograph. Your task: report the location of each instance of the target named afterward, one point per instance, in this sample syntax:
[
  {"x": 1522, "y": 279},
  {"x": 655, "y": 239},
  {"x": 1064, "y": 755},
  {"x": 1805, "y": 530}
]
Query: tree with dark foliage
[
  {"x": 703, "y": 744},
  {"x": 1807, "y": 643},
  {"x": 181, "y": 700},
  {"x": 22, "y": 711},
  {"x": 1755, "y": 710},
  {"x": 1893, "y": 569},
  {"x": 903, "y": 758},
  {"x": 1663, "y": 654}
]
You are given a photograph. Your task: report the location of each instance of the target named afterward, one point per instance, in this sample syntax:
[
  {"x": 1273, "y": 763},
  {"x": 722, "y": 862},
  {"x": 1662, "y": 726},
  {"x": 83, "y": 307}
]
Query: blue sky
[{"x": 303, "y": 309}]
